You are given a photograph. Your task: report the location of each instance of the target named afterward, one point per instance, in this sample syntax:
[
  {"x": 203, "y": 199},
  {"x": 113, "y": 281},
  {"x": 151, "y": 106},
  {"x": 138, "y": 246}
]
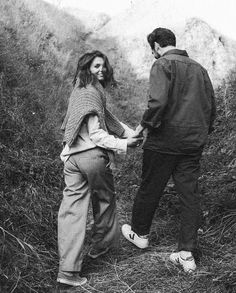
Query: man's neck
[{"x": 166, "y": 49}]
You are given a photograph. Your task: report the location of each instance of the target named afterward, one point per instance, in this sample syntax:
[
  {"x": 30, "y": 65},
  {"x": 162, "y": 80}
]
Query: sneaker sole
[{"x": 71, "y": 283}]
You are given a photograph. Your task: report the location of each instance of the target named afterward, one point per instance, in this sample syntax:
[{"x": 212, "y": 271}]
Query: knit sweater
[{"x": 85, "y": 101}]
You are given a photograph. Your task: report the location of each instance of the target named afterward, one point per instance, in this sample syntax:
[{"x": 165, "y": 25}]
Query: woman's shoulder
[
  {"x": 89, "y": 89},
  {"x": 89, "y": 94}
]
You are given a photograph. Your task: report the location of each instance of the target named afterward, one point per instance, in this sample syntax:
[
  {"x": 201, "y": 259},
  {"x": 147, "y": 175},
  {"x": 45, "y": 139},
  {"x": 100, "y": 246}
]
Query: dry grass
[{"x": 33, "y": 92}]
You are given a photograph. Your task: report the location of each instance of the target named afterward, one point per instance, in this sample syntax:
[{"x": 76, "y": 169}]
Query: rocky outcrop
[{"x": 214, "y": 51}]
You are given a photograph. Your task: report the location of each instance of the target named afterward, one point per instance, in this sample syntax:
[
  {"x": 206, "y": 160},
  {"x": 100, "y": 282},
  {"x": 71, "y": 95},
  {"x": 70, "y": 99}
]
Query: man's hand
[{"x": 139, "y": 131}]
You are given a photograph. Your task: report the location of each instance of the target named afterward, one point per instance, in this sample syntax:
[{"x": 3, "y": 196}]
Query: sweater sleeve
[{"x": 102, "y": 138}]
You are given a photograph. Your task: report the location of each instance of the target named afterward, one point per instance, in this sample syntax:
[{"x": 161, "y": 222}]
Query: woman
[{"x": 91, "y": 136}]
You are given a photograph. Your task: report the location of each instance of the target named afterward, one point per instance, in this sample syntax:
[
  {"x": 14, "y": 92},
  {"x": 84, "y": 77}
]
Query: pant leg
[
  {"x": 186, "y": 176},
  {"x": 100, "y": 180},
  {"x": 72, "y": 216},
  {"x": 156, "y": 171}
]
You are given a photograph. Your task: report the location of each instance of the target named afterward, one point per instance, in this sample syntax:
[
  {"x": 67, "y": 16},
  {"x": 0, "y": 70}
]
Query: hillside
[
  {"x": 128, "y": 32},
  {"x": 43, "y": 28},
  {"x": 92, "y": 21},
  {"x": 39, "y": 48}
]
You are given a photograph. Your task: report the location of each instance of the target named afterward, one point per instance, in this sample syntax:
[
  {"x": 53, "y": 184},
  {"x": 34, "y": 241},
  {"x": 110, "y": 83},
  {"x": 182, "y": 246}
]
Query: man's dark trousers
[{"x": 156, "y": 171}]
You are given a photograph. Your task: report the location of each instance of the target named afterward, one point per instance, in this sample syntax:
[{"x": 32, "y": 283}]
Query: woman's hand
[{"x": 133, "y": 141}]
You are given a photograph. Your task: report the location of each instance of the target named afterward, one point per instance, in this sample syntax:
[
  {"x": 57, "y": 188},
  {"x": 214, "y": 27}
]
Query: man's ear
[{"x": 156, "y": 46}]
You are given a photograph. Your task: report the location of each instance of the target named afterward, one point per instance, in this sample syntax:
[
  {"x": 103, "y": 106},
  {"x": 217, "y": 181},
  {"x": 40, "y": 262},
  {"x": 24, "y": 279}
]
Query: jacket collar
[{"x": 176, "y": 52}]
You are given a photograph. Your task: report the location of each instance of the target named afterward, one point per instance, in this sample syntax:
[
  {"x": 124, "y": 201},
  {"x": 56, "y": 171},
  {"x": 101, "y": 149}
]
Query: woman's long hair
[{"x": 84, "y": 75}]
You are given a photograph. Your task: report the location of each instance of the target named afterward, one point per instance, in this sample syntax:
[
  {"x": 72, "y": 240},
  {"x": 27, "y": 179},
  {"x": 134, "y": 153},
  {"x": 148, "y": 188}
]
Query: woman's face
[{"x": 97, "y": 68}]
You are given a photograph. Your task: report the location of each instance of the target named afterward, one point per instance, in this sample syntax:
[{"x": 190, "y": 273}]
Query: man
[{"x": 180, "y": 115}]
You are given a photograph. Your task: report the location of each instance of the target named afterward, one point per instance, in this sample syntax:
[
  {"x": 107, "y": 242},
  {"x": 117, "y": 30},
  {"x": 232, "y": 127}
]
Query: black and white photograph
[{"x": 117, "y": 146}]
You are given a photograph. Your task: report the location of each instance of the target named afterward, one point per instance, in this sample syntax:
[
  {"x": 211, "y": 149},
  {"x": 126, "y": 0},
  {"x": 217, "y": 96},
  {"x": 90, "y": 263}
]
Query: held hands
[
  {"x": 136, "y": 138},
  {"x": 133, "y": 141}
]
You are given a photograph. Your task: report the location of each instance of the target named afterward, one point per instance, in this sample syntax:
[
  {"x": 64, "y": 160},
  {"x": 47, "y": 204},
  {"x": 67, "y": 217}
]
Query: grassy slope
[
  {"x": 37, "y": 50},
  {"x": 32, "y": 101},
  {"x": 132, "y": 270}
]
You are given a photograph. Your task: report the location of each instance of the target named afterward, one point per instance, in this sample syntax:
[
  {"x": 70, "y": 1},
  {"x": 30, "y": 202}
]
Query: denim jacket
[{"x": 181, "y": 107}]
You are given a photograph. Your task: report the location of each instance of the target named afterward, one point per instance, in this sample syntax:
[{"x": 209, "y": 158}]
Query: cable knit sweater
[{"x": 85, "y": 101}]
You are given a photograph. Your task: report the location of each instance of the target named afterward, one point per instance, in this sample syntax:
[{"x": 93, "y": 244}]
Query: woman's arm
[
  {"x": 128, "y": 131},
  {"x": 102, "y": 138},
  {"x": 107, "y": 141}
]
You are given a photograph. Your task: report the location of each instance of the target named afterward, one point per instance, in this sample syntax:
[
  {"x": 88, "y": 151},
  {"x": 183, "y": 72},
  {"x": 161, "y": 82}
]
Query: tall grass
[{"x": 34, "y": 86}]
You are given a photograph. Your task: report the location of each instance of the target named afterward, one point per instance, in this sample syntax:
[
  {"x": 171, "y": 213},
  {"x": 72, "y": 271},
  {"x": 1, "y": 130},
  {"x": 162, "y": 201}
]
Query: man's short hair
[{"x": 163, "y": 36}]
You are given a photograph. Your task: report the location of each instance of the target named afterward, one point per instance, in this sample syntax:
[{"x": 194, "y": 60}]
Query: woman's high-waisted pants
[{"x": 87, "y": 174}]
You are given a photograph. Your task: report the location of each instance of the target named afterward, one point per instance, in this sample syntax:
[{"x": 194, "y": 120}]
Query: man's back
[{"x": 185, "y": 95}]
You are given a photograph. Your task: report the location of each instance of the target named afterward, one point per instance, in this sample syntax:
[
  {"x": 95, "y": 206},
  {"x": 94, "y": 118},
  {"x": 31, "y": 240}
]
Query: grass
[
  {"x": 29, "y": 249},
  {"x": 31, "y": 198},
  {"x": 33, "y": 91}
]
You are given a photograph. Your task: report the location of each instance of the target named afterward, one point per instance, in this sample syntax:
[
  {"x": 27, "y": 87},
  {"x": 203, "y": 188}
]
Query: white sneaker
[
  {"x": 188, "y": 264},
  {"x": 72, "y": 279},
  {"x": 139, "y": 241}
]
